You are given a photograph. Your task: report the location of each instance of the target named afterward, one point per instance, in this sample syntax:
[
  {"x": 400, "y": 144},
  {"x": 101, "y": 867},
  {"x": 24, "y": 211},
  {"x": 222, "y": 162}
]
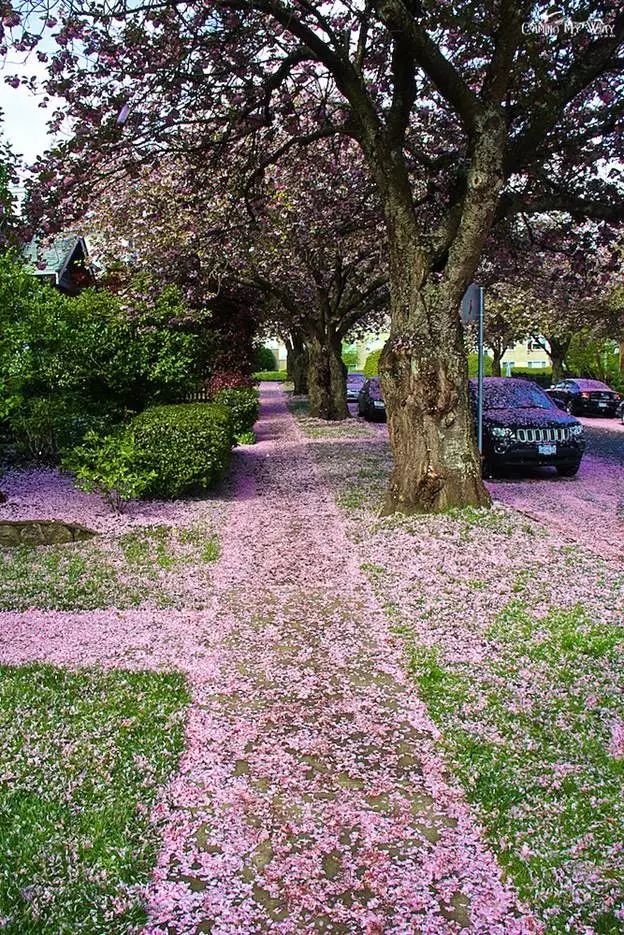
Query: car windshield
[
  {"x": 505, "y": 395},
  {"x": 355, "y": 378}
]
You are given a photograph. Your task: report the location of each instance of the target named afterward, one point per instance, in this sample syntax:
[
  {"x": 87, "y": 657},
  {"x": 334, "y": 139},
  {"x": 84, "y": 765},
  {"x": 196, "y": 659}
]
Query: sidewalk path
[{"x": 310, "y": 798}]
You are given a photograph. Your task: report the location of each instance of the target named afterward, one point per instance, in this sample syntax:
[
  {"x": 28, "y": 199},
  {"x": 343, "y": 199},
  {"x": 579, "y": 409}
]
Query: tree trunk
[
  {"x": 297, "y": 363},
  {"x": 496, "y": 361},
  {"x": 622, "y": 356},
  {"x": 558, "y": 350},
  {"x": 327, "y": 378},
  {"x": 430, "y": 422}
]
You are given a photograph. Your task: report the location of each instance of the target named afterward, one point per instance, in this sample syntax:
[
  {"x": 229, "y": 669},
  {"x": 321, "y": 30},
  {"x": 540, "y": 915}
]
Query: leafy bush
[
  {"x": 111, "y": 464},
  {"x": 265, "y": 359},
  {"x": 371, "y": 365},
  {"x": 473, "y": 365},
  {"x": 244, "y": 406},
  {"x": 280, "y": 376},
  {"x": 186, "y": 446},
  {"x": 64, "y": 360},
  {"x": 43, "y": 426}
]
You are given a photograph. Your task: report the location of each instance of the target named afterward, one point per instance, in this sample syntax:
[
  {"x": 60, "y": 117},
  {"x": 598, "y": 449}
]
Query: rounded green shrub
[
  {"x": 371, "y": 365},
  {"x": 244, "y": 406},
  {"x": 186, "y": 446},
  {"x": 265, "y": 359}
]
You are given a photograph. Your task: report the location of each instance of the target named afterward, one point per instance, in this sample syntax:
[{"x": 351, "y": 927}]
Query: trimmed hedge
[
  {"x": 244, "y": 407},
  {"x": 280, "y": 375},
  {"x": 542, "y": 375},
  {"x": 186, "y": 446}
]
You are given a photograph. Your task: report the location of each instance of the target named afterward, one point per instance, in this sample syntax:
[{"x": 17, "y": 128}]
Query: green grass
[
  {"x": 527, "y": 731},
  {"x": 64, "y": 577},
  {"x": 138, "y": 566},
  {"x": 82, "y": 757}
]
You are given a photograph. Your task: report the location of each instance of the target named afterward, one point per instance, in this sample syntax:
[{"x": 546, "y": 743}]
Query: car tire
[
  {"x": 568, "y": 470},
  {"x": 571, "y": 408}
]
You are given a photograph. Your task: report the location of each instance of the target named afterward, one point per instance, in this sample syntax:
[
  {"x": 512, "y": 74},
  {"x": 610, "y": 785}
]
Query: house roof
[{"x": 50, "y": 259}]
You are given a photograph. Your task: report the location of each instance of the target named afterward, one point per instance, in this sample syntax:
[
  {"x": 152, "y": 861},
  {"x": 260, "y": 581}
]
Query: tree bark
[
  {"x": 423, "y": 367},
  {"x": 297, "y": 363},
  {"x": 496, "y": 361},
  {"x": 557, "y": 353},
  {"x": 424, "y": 377},
  {"x": 327, "y": 378}
]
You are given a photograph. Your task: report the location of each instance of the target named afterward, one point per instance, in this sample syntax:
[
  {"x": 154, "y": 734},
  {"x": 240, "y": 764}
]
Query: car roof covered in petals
[{"x": 589, "y": 384}]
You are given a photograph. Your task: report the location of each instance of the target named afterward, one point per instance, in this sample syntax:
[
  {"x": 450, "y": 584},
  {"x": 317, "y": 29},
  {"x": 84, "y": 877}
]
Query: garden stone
[{"x": 41, "y": 532}]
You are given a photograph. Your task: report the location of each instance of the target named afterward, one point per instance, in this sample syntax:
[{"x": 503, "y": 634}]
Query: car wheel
[
  {"x": 568, "y": 470},
  {"x": 570, "y": 407}
]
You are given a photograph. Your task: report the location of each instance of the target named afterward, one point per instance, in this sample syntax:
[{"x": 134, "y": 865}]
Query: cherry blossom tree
[
  {"x": 464, "y": 114},
  {"x": 302, "y": 241}
]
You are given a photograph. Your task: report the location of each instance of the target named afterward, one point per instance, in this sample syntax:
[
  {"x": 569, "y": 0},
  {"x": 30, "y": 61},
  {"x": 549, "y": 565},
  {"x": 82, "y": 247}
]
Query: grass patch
[
  {"x": 139, "y": 566},
  {"x": 528, "y": 733},
  {"x": 82, "y": 757},
  {"x": 65, "y": 577}
]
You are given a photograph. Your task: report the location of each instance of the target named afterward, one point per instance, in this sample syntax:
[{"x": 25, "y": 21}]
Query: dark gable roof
[{"x": 50, "y": 259}]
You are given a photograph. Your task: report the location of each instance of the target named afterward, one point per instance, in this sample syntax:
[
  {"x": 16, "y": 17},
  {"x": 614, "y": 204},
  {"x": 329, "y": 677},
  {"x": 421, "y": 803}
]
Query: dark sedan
[
  {"x": 370, "y": 401},
  {"x": 522, "y": 427},
  {"x": 355, "y": 382},
  {"x": 585, "y": 397}
]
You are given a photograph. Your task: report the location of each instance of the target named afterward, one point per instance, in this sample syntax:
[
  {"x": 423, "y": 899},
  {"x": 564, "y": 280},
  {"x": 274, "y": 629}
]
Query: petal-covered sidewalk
[{"x": 310, "y": 797}]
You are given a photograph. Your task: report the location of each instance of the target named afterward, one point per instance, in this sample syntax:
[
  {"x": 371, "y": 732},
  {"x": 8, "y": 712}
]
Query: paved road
[{"x": 605, "y": 439}]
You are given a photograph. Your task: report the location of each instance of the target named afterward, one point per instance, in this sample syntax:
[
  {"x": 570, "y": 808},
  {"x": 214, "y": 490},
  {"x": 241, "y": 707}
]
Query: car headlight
[
  {"x": 498, "y": 432},
  {"x": 576, "y": 430}
]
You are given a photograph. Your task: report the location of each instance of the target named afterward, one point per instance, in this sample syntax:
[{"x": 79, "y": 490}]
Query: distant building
[{"x": 62, "y": 262}]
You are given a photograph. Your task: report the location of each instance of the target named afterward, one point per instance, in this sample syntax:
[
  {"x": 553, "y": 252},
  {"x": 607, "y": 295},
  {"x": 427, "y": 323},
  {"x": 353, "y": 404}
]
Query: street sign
[{"x": 470, "y": 304}]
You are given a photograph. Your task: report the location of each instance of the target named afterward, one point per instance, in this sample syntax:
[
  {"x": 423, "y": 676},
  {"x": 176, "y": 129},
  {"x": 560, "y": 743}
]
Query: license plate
[
  {"x": 602, "y": 405},
  {"x": 378, "y": 405},
  {"x": 547, "y": 449}
]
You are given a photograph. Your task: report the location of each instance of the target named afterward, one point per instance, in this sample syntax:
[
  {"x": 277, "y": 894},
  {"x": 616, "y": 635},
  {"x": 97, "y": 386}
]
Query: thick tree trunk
[
  {"x": 622, "y": 356},
  {"x": 430, "y": 422},
  {"x": 327, "y": 376},
  {"x": 297, "y": 364},
  {"x": 496, "y": 362},
  {"x": 423, "y": 367}
]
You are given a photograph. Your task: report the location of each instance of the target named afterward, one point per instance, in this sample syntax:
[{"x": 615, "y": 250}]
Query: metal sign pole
[{"x": 480, "y": 374}]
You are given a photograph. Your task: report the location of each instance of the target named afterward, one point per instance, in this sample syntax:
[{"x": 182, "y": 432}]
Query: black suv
[{"x": 522, "y": 427}]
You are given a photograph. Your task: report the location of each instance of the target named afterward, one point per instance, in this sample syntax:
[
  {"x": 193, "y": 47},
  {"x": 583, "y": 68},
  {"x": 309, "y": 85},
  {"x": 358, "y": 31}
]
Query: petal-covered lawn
[{"x": 82, "y": 757}]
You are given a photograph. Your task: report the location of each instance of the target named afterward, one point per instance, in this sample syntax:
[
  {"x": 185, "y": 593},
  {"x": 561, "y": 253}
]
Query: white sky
[{"x": 24, "y": 122}]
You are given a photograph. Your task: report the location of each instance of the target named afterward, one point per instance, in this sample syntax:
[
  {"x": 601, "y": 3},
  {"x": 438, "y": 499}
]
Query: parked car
[
  {"x": 585, "y": 397},
  {"x": 370, "y": 401},
  {"x": 522, "y": 427},
  {"x": 355, "y": 382}
]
